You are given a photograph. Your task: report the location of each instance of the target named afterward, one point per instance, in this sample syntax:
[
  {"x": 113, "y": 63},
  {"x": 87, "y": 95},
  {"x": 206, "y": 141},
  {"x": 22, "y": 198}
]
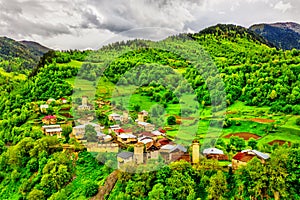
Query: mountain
[
  {"x": 19, "y": 56},
  {"x": 283, "y": 35},
  {"x": 35, "y": 48}
]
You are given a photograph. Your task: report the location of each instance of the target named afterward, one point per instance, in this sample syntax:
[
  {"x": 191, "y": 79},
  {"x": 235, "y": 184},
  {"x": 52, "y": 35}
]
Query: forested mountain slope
[{"x": 19, "y": 56}]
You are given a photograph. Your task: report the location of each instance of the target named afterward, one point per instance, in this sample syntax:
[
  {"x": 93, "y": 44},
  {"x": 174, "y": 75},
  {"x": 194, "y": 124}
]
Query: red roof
[
  {"x": 239, "y": 156},
  {"x": 63, "y": 99},
  {"x": 120, "y": 130},
  {"x": 244, "y": 157},
  {"x": 162, "y": 130},
  {"x": 50, "y": 117},
  {"x": 164, "y": 141}
]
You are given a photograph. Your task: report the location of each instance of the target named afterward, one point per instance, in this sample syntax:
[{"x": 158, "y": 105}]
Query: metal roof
[
  {"x": 125, "y": 155},
  {"x": 258, "y": 154},
  {"x": 212, "y": 151},
  {"x": 170, "y": 148},
  {"x": 157, "y": 133},
  {"x": 126, "y": 136},
  {"x": 99, "y": 134},
  {"x": 53, "y": 130},
  {"x": 51, "y": 126}
]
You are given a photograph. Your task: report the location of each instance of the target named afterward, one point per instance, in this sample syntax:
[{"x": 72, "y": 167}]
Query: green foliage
[
  {"x": 298, "y": 121},
  {"x": 90, "y": 133},
  {"x": 171, "y": 120}
]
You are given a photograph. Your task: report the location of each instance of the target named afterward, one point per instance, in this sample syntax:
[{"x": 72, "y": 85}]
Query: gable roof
[
  {"x": 125, "y": 155},
  {"x": 99, "y": 134},
  {"x": 158, "y": 133},
  {"x": 126, "y": 136},
  {"x": 164, "y": 141},
  {"x": 213, "y": 151},
  {"x": 244, "y": 157},
  {"x": 257, "y": 153},
  {"x": 171, "y": 148},
  {"x": 147, "y": 134}
]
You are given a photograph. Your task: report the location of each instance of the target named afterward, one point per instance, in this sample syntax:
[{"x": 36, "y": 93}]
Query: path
[{"x": 107, "y": 187}]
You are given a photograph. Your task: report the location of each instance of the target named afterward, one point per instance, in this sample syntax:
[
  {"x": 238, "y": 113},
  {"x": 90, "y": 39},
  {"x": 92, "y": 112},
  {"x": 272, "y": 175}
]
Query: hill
[
  {"x": 261, "y": 85},
  {"x": 19, "y": 56},
  {"x": 282, "y": 35}
]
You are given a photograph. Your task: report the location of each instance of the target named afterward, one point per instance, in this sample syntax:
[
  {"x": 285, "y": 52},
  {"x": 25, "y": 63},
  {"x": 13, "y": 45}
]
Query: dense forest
[{"x": 223, "y": 65}]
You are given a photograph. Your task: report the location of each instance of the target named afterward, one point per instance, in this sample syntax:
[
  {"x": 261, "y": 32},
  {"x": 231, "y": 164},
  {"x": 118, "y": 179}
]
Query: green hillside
[
  {"x": 222, "y": 81},
  {"x": 19, "y": 56}
]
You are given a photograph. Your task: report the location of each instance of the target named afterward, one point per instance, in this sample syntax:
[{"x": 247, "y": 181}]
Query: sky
[{"x": 89, "y": 24}]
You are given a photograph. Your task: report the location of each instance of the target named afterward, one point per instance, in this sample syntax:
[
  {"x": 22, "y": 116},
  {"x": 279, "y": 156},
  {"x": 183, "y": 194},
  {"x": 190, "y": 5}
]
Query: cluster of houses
[{"x": 148, "y": 143}]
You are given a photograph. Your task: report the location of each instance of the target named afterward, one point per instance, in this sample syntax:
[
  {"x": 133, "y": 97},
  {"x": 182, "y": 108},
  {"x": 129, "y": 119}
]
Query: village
[{"x": 137, "y": 144}]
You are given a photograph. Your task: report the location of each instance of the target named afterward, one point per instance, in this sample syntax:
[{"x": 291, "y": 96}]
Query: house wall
[
  {"x": 112, "y": 148},
  {"x": 149, "y": 127},
  {"x": 237, "y": 163}
]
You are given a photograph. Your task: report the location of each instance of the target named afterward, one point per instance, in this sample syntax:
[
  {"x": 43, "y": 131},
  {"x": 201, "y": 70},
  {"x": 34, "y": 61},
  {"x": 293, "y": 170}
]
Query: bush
[
  {"x": 298, "y": 121},
  {"x": 91, "y": 189},
  {"x": 171, "y": 120}
]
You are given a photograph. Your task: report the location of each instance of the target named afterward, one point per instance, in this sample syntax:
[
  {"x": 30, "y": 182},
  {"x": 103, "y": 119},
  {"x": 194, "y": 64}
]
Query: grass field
[{"x": 12, "y": 75}]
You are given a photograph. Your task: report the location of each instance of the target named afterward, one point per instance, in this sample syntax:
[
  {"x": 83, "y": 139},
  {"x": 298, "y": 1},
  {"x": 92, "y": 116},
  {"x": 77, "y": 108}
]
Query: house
[
  {"x": 172, "y": 152},
  {"x": 49, "y": 101},
  {"x": 114, "y": 128},
  {"x": 145, "y": 140},
  {"x": 164, "y": 141},
  {"x": 148, "y": 134},
  {"x": 52, "y": 130},
  {"x": 50, "y": 119},
  {"x": 214, "y": 153},
  {"x": 243, "y": 157},
  {"x": 146, "y": 126},
  {"x": 79, "y": 131},
  {"x": 107, "y": 138},
  {"x": 120, "y": 131},
  {"x": 114, "y": 117},
  {"x": 158, "y": 133},
  {"x": 64, "y": 100},
  {"x": 84, "y": 104},
  {"x": 100, "y": 135},
  {"x": 124, "y": 157},
  {"x": 127, "y": 138},
  {"x": 44, "y": 108}
]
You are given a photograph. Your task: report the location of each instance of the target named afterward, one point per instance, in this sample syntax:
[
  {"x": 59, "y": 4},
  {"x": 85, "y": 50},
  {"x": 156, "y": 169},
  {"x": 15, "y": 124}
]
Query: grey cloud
[
  {"x": 13, "y": 15},
  {"x": 61, "y": 20}
]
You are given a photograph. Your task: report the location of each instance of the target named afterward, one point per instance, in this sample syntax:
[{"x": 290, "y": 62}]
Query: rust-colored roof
[
  {"x": 164, "y": 141},
  {"x": 244, "y": 157},
  {"x": 162, "y": 130}
]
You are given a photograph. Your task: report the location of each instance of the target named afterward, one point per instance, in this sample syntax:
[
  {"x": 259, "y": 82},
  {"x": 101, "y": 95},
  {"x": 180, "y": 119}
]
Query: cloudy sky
[{"x": 82, "y": 24}]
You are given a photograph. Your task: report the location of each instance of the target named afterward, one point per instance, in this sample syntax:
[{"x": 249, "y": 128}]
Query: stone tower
[
  {"x": 84, "y": 100},
  {"x": 139, "y": 153},
  {"x": 125, "y": 117},
  {"x": 195, "y": 152},
  {"x": 141, "y": 117}
]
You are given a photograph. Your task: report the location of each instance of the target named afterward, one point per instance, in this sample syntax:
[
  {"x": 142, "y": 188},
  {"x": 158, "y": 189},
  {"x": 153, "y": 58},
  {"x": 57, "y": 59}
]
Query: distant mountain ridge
[
  {"x": 231, "y": 30},
  {"x": 35, "y": 48},
  {"x": 284, "y": 35}
]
